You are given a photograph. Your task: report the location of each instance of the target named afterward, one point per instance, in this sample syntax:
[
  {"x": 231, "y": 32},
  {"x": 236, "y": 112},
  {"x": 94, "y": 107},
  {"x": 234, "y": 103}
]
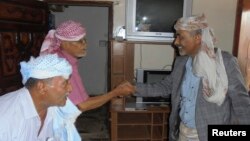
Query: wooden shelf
[
  {"x": 148, "y": 125},
  {"x": 158, "y": 118},
  {"x": 157, "y": 132},
  {"x": 134, "y": 119},
  {"x": 132, "y": 132}
]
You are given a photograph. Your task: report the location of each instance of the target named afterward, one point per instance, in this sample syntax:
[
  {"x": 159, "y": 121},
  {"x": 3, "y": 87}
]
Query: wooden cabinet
[
  {"x": 146, "y": 125},
  {"x": 23, "y": 26}
]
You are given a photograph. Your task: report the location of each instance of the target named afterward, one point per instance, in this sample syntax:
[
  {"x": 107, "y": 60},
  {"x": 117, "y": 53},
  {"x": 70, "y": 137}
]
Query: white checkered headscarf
[
  {"x": 45, "y": 66},
  {"x": 207, "y": 63}
]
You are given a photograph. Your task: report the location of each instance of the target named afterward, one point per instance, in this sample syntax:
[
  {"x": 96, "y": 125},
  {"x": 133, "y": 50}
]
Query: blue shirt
[{"x": 189, "y": 91}]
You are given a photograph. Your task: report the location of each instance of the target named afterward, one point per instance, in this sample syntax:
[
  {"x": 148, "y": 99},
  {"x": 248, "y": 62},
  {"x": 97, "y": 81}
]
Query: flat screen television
[
  {"x": 152, "y": 76},
  {"x": 153, "y": 20}
]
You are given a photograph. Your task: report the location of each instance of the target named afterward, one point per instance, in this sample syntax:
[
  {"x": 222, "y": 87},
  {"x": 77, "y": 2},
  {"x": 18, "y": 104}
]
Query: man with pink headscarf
[
  {"x": 69, "y": 42},
  {"x": 206, "y": 84}
]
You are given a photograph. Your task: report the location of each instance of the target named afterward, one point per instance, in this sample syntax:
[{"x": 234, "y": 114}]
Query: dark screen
[{"x": 158, "y": 15}]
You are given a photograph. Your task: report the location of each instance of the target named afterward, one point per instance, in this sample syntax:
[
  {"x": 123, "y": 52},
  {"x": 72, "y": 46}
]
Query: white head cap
[{"x": 45, "y": 66}]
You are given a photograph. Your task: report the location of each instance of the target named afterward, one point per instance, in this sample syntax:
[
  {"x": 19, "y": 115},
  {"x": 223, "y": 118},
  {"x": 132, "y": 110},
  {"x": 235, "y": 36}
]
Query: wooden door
[
  {"x": 23, "y": 26},
  {"x": 242, "y": 38}
]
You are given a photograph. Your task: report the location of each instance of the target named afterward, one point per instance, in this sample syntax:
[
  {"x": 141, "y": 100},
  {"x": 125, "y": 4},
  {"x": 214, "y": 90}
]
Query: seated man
[{"x": 41, "y": 109}]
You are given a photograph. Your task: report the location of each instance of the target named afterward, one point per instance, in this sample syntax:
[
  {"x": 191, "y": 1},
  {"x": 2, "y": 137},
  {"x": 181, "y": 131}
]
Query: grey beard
[{"x": 181, "y": 51}]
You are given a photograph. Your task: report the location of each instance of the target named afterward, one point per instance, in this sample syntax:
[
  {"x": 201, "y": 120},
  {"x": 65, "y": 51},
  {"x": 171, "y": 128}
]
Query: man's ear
[
  {"x": 64, "y": 45},
  {"x": 41, "y": 87},
  {"x": 198, "y": 38}
]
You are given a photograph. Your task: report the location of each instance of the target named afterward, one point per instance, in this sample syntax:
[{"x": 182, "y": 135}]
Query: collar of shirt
[
  {"x": 72, "y": 60},
  {"x": 27, "y": 104},
  {"x": 189, "y": 64},
  {"x": 78, "y": 94},
  {"x": 189, "y": 91},
  {"x": 29, "y": 108},
  {"x": 30, "y": 113}
]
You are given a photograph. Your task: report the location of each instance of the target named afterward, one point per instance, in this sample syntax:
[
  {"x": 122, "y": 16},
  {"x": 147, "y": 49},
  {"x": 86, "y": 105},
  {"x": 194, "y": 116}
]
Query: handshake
[{"x": 124, "y": 89}]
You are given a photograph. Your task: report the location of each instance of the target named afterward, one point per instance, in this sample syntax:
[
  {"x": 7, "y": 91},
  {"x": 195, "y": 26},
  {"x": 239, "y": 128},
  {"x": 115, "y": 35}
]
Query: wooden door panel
[
  {"x": 24, "y": 13},
  {"x": 242, "y": 38},
  {"x": 118, "y": 48},
  {"x": 9, "y": 54},
  {"x": 116, "y": 80},
  {"x": 23, "y": 26},
  {"x": 122, "y": 62},
  {"x": 118, "y": 64}
]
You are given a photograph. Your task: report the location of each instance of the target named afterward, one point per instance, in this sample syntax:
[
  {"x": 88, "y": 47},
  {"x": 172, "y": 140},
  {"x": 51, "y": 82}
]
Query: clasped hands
[{"x": 124, "y": 89}]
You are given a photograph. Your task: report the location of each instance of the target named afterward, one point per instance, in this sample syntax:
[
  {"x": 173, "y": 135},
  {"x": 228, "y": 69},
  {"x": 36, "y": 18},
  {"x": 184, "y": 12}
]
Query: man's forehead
[
  {"x": 60, "y": 77},
  {"x": 83, "y": 38},
  {"x": 181, "y": 32},
  {"x": 57, "y": 79}
]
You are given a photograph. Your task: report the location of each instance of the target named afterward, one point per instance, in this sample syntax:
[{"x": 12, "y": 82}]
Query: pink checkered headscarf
[{"x": 66, "y": 31}]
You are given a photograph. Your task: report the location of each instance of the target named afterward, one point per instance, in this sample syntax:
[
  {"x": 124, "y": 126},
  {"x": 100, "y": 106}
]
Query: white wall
[
  {"x": 221, "y": 17},
  {"x": 153, "y": 56},
  {"x": 220, "y": 14}
]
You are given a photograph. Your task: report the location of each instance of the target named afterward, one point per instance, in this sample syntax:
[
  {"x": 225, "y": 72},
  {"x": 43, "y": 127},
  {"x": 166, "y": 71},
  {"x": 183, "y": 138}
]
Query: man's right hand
[{"x": 124, "y": 89}]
